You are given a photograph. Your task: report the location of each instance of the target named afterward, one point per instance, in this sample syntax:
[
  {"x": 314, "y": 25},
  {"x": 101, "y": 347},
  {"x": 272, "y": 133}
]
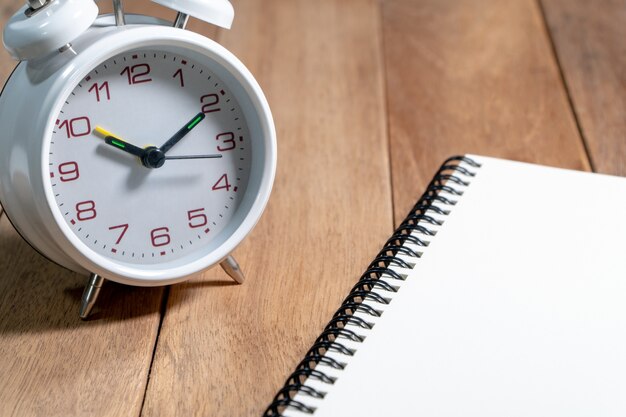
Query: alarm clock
[{"x": 131, "y": 149}]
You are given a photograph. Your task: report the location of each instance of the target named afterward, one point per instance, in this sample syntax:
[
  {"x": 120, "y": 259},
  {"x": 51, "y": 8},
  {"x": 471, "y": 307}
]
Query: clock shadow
[
  {"x": 122, "y": 159},
  {"x": 192, "y": 285},
  {"x": 37, "y": 296}
]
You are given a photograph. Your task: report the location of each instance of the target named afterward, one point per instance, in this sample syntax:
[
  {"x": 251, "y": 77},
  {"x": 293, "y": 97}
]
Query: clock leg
[
  {"x": 181, "y": 20},
  {"x": 231, "y": 267},
  {"x": 119, "y": 13},
  {"x": 90, "y": 295}
]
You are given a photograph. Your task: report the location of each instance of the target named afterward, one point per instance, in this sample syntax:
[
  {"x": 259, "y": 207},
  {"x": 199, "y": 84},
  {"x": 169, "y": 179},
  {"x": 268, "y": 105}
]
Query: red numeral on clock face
[
  {"x": 160, "y": 236},
  {"x": 124, "y": 228},
  {"x": 228, "y": 141},
  {"x": 209, "y": 102},
  {"x": 222, "y": 183},
  {"x": 136, "y": 72},
  {"x": 197, "y": 218},
  {"x": 68, "y": 171},
  {"x": 97, "y": 89},
  {"x": 79, "y": 126},
  {"x": 179, "y": 73},
  {"x": 86, "y": 210}
]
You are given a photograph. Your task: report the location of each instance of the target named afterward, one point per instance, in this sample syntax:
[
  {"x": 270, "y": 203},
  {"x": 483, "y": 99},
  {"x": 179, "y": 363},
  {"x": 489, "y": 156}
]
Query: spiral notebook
[{"x": 503, "y": 293}]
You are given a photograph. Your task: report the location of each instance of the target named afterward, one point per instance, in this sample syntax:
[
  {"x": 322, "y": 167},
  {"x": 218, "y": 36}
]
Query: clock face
[{"x": 149, "y": 158}]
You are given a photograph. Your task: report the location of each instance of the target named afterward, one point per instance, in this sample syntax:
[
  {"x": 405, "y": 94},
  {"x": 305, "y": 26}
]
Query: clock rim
[{"x": 159, "y": 37}]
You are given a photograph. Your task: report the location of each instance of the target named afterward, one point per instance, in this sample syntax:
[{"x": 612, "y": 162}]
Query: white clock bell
[{"x": 131, "y": 149}]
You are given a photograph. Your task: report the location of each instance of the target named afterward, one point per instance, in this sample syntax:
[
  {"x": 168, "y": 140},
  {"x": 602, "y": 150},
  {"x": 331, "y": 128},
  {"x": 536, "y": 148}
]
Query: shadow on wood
[
  {"x": 36, "y": 294},
  {"x": 207, "y": 284}
]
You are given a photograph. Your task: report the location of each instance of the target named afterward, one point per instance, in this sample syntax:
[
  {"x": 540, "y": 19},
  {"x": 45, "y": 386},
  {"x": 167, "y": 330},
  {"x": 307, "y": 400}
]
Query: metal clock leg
[
  {"x": 231, "y": 267},
  {"x": 90, "y": 295},
  {"x": 181, "y": 20},
  {"x": 119, "y": 13}
]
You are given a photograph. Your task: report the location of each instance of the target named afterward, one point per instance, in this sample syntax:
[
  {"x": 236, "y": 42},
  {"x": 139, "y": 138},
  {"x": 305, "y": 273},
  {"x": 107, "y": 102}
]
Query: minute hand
[{"x": 182, "y": 132}]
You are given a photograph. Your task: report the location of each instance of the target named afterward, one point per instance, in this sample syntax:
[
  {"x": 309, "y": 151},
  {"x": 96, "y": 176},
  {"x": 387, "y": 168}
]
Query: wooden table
[{"x": 368, "y": 97}]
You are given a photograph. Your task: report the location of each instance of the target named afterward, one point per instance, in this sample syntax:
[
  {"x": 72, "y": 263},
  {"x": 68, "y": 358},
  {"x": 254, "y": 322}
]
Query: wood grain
[
  {"x": 471, "y": 76},
  {"x": 51, "y": 362},
  {"x": 223, "y": 349},
  {"x": 589, "y": 38},
  {"x": 466, "y": 76},
  {"x": 54, "y": 364}
]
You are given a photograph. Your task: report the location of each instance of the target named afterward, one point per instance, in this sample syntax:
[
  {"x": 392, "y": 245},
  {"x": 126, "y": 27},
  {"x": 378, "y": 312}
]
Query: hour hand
[
  {"x": 116, "y": 142},
  {"x": 125, "y": 146}
]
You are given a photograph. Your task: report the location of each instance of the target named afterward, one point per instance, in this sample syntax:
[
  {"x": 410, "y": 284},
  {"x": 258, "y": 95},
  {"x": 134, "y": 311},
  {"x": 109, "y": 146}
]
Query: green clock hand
[
  {"x": 182, "y": 132},
  {"x": 118, "y": 143},
  {"x": 125, "y": 146},
  {"x": 151, "y": 156}
]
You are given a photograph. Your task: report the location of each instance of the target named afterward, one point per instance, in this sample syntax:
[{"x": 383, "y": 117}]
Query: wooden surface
[
  {"x": 368, "y": 97},
  {"x": 224, "y": 349},
  {"x": 475, "y": 77},
  {"x": 590, "y": 42}
]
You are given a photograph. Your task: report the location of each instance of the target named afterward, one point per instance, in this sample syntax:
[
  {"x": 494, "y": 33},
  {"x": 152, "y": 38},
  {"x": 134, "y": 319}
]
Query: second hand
[{"x": 193, "y": 157}]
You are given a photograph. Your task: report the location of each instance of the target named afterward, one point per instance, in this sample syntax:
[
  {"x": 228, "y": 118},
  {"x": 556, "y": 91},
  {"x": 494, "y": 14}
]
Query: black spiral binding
[{"x": 450, "y": 178}]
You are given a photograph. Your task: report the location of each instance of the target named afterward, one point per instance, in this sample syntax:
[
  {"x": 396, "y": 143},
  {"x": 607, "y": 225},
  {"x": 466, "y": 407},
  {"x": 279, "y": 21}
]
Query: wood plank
[
  {"x": 471, "y": 76},
  {"x": 225, "y": 350},
  {"x": 52, "y": 363},
  {"x": 589, "y": 42}
]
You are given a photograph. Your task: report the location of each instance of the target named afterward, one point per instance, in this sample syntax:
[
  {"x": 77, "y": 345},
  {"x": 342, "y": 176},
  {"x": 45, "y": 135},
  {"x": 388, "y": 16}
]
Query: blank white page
[{"x": 517, "y": 307}]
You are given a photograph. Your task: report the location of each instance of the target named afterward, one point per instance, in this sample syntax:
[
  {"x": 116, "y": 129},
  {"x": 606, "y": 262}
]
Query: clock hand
[
  {"x": 151, "y": 156},
  {"x": 194, "y": 157},
  {"x": 155, "y": 158},
  {"x": 125, "y": 146},
  {"x": 116, "y": 142},
  {"x": 182, "y": 132}
]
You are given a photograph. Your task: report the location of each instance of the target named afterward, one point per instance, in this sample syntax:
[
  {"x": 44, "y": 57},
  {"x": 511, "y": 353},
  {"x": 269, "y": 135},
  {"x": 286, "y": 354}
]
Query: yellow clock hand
[{"x": 102, "y": 132}]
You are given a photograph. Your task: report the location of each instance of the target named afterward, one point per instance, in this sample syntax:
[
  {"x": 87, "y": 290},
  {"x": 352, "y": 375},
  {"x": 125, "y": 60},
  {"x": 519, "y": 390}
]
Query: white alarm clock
[{"x": 131, "y": 149}]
